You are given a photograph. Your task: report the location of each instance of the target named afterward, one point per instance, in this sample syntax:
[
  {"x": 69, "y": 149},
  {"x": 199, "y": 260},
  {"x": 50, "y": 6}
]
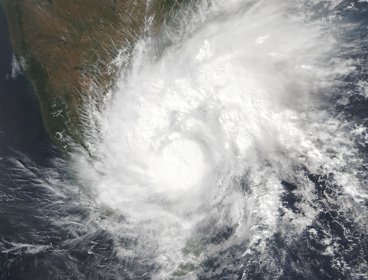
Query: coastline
[{"x": 21, "y": 124}]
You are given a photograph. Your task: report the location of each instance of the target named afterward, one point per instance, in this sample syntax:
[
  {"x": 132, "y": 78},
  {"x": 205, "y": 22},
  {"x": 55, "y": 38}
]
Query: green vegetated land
[{"x": 68, "y": 47}]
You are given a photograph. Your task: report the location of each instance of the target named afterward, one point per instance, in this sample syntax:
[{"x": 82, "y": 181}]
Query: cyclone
[{"x": 223, "y": 141}]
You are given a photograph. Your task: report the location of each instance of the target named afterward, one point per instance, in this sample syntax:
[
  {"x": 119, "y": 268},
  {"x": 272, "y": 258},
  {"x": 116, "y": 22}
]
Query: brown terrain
[{"x": 68, "y": 47}]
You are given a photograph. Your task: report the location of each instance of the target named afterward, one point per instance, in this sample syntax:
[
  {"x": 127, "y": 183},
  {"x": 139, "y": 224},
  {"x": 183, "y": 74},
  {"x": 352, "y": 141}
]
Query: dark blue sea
[{"x": 37, "y": 241}]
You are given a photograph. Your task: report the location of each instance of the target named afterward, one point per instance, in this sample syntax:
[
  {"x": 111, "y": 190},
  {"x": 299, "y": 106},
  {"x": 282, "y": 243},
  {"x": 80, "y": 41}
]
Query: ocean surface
[
  {"x": 187, "y": 183},
  {"x": 23, "y": 141}
]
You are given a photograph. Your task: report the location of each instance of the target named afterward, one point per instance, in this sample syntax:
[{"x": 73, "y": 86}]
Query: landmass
[{"x": 67, "y": 48}]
